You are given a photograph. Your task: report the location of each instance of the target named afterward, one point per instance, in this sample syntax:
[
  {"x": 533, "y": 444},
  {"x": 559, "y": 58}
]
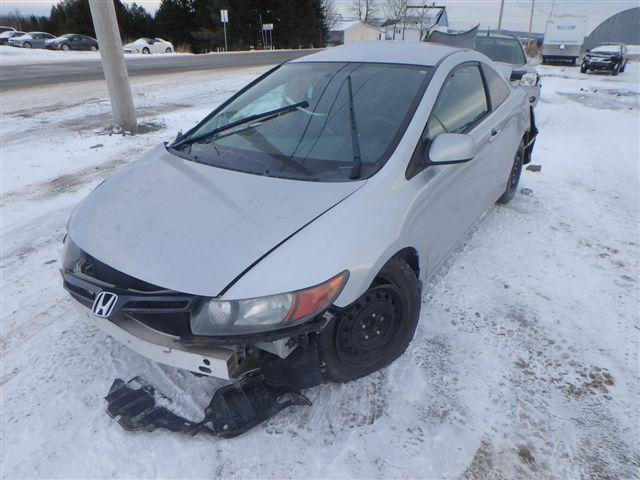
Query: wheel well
[{"x": 410, "y": 255}]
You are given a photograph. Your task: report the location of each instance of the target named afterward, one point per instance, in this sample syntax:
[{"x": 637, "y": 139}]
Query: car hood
[
  {"x": 194, "y": 228},
  {"x": 601, "y": 54}
]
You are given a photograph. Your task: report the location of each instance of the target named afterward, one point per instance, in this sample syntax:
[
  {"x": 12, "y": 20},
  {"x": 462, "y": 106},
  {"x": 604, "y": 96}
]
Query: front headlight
[
  {"x": 529, "y": 79},
  {"x": 255, "y": 315}
]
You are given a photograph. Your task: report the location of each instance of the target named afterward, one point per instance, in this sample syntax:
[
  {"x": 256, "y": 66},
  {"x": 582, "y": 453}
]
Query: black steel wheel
[
  {"x": 514, "y": 176},
  {"x": 375, "y": 329}
]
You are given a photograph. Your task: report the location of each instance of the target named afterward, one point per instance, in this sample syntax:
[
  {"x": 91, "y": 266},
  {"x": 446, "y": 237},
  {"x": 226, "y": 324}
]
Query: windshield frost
[{"x": 313, "y": 141}]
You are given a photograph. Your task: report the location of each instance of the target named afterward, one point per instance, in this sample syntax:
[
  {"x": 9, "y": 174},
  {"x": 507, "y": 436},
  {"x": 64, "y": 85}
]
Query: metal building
[{"x": 623, "y": 27}]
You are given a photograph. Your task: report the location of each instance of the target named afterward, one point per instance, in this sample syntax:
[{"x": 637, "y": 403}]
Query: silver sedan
[{"x": 298, "y": 221}]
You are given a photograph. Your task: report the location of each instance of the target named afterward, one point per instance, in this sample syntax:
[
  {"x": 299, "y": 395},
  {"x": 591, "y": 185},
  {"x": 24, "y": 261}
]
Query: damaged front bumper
[{"x": 167, "y": 349}]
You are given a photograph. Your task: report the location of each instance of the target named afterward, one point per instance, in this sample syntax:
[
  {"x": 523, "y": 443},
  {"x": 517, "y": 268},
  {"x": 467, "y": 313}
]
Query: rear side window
[
  {"x": 498, "y": 89},
  {"x": 462, "y": 102}
]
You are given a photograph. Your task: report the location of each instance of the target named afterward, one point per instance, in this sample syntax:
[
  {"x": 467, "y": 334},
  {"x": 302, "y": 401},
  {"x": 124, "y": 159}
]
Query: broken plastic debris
[{"x": 233, "y": 410}]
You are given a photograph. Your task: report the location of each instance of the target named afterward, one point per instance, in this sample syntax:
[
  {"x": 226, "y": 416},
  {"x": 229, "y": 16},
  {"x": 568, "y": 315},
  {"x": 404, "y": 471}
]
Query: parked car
[
  {"x": 609, "y": 56},
  {"x": 7, "y": 29},
  {"x": 30, "y": 40},
  {"x": 149, "y": 45},
  {"x": 7, "y": 34},
  {"x": 72, "y": 41},
  {"x": 295, "y": 225},
  {"x": 508, "y": 51}
]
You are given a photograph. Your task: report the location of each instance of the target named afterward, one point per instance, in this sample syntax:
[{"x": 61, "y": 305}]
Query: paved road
[{"x": 18, "y": 76}]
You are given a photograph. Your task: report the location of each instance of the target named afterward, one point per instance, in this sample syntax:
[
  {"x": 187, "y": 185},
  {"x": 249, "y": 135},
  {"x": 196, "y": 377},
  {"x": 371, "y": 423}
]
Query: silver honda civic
[{"x": 291, "y": 230}]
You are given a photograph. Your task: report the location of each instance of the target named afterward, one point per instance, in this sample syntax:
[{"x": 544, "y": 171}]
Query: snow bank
[
  {"x": 31, "y": 56},
  {"x": 524, "y": 365}
]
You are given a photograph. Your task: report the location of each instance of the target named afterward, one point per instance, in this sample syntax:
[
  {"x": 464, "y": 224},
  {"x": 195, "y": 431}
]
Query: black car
[
  {"x": 72, "y": 41},
  {"x": 7, "y": 34},
  {"x": 611, "y": 57}
]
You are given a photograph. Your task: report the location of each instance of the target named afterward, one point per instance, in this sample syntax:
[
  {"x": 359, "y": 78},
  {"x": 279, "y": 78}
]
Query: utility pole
[
  {"x": 500, "y": 17},
  {"x": 105, "y": 23},
  {"x": 533, "y": 2}
]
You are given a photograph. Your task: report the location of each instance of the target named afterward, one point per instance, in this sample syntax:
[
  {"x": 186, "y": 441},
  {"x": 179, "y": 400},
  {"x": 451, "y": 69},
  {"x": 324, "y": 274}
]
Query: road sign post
[
  {"x": 224, "y": 18},
  {"x": 267, "y": 28}
]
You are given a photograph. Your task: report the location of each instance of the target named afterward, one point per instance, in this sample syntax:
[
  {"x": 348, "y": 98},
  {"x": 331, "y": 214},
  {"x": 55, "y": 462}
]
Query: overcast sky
[{"x": 462, "y": 13}]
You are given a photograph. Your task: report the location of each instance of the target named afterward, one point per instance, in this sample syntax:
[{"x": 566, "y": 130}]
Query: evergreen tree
[{"x": 175, "y": 20}]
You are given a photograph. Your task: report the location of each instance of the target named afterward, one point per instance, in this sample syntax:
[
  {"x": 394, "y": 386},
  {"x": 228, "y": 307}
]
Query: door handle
[{"x": 494, "y": 133}]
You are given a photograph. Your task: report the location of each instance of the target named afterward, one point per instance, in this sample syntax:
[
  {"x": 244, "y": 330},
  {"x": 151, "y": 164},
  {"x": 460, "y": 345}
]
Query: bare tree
[
  {"x": 331, "y": 15},
  {"x": 396, "y": 10},
  {"x": 364, "y": 10}
]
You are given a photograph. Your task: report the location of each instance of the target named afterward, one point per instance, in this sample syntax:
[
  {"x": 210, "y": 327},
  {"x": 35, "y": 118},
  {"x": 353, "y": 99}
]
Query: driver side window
[{"x": 461, "y": 104}]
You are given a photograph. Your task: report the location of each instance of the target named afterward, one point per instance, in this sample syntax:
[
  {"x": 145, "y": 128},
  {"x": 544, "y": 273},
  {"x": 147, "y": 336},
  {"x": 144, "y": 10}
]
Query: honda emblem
[{"x": 104, "y": 303}]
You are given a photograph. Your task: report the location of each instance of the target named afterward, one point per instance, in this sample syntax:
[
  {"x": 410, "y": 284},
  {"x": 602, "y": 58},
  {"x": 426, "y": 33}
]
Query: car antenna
[{"x": 357, "y": 159}]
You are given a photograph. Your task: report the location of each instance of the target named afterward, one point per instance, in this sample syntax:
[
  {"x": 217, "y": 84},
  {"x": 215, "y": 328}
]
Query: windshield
[
  {"x": 505, "y": 50},
  {"x": 311, "y": 139},
  {"x": 607, "y": 49}
]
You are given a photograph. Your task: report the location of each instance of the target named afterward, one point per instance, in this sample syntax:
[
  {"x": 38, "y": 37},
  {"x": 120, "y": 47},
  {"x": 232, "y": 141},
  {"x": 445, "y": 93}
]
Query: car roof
[{"x": 376, "y": 51}]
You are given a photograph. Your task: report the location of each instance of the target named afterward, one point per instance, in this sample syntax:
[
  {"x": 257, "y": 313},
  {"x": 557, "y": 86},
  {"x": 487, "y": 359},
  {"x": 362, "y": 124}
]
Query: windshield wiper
[
  {"x": 237, "y": 123},
  {"x": 355, "y": 143}
]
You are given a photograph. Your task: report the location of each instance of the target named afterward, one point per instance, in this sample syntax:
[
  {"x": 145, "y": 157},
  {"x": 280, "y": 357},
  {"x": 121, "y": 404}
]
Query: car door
[
  {"x": 505, "y": 130},
  {"x": 454, "y": 196},
  {"x": 78, "y": 43},
  {"x": 37, "y": 41}
]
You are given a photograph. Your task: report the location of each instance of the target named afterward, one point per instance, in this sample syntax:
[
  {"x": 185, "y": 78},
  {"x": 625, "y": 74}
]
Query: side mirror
[{"x": 451, "y": 148}]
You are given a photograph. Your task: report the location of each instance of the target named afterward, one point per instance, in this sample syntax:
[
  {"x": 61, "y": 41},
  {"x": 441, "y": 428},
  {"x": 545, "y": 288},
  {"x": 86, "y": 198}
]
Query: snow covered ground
[
  {"x": 525, "y": 363},
  {"x": 10, "y": 56},
  {"x": 31, "y": 56}
]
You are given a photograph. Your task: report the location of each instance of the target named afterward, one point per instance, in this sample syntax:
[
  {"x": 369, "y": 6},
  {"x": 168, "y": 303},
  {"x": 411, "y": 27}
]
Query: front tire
[
  {"x": 93, "y": 48},
  {"x": 583, "y": 68},
  {"x": 514, "y": 176},
  {"x": 26, "y": 45},
  {"x": 168, "y": 50},
  {"x": 616, "y": 69},
  {"x": 146, "y": 51},
  {"x": 374, "y": 330},
  {"x": 64, "y": 47}
]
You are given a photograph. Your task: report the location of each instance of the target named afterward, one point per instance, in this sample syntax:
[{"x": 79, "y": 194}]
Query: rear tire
[
  {"x": 514, "y": 176},
  {"x": 374, "y": 330},
  {"x": 93, "y": 48},
  {"x": 146, "y": 51},
  {"x": 168, "y": 50},
  {"x": 64, "y": 47},
  {"x": 26, "y": 45}
]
